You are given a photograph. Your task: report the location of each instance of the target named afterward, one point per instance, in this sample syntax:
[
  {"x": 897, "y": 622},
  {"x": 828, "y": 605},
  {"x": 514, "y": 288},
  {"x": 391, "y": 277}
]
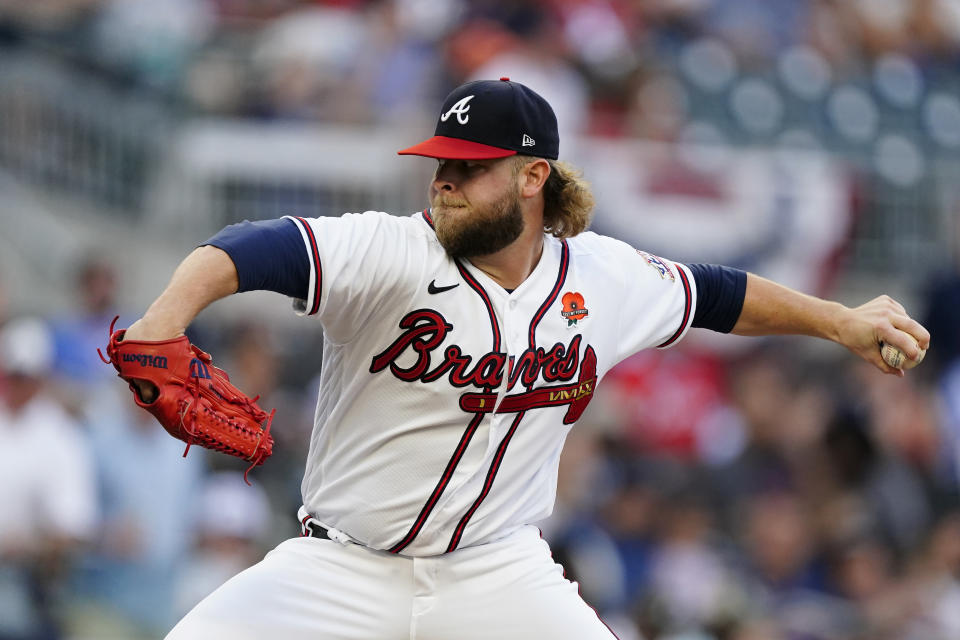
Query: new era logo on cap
[{"x": 492, "y": 119}]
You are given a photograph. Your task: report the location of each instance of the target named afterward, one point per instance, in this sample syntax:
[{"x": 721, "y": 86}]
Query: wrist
[
  {"x": 153, "y": 328},
  {"x": 839, "y": 318}
]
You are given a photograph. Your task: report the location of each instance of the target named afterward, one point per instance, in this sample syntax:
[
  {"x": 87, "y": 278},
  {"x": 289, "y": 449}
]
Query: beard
[{"x": 466, "y": 233}]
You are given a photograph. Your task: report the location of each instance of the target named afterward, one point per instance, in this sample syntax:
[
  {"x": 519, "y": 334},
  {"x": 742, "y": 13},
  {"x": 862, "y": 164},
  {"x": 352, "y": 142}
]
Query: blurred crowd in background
[
  {"x": 609, "y": 64},
  {"x": 780, "y": 490}
]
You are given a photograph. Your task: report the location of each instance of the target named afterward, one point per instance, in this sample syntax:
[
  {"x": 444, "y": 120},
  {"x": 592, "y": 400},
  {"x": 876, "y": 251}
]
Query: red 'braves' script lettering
[
  {"x": 576, "y": 394},
  {"x": 560, "y": 363},
  {"x": 487, "y": 373},
  {"x": 425, "y": 330}
]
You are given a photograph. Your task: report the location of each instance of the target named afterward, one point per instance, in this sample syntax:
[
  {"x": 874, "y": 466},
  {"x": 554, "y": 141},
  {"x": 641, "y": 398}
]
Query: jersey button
[{"x": 513, "y": 304}]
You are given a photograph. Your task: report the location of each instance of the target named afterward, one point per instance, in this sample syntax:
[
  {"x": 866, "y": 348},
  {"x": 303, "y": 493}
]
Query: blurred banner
[{"x": 782, "y": 214}]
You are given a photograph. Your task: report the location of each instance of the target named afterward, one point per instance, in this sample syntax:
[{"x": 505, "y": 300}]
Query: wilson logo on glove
[
  {"x": 198, "y": 369},
  {"x": 144, "y": 360},
  {"x": 193, "y": 400}
]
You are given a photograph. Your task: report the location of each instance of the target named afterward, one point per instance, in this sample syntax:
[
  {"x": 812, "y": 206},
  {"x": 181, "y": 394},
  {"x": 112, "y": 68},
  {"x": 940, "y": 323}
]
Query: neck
[{"x": 510, "y": 266}]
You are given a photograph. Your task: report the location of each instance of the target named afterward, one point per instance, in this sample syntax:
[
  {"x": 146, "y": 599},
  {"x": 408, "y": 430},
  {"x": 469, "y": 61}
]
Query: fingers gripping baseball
[
  {"x": 881, "y": 322},
  {"x": 192, "y": 399}
]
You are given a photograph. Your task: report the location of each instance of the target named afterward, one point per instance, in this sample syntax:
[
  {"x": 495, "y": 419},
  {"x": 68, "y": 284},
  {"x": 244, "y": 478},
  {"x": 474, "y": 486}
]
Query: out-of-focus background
[{"x": 725, "y": 489}]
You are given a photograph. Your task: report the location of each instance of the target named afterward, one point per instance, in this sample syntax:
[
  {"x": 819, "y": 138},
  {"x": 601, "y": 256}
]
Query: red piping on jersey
[
  {"x": 471, "y": 428},
  {"x": 316, "y": 266},
  {"x": 438, "y": 490},
  {"x": 426, "y": 216},
  {"x": 561, "y": 278},
  {"x": 476, "y": 286},
  {"x": 491, "y": 475},
  {"x": 498, "y": 458},
  {"x": 686, "y": 310}
]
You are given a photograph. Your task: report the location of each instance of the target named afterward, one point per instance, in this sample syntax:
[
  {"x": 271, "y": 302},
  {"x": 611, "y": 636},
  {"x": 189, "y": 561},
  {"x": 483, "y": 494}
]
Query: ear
[{"x": 533, "y": 176}]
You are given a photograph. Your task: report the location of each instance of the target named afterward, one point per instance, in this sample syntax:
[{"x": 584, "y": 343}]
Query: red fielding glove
[{"x": 193, "y": 400}]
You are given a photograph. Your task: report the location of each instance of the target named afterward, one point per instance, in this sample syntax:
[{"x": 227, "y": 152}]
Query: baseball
[{"x": 898, "y": 359}]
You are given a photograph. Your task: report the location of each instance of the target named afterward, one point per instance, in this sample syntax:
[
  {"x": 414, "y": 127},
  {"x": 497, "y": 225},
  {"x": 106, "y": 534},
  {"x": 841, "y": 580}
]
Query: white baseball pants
[{"x": 321, "y": 589}]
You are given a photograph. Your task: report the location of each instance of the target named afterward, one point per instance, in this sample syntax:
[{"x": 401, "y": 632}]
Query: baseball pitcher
[{"x": 461, "y": 344}]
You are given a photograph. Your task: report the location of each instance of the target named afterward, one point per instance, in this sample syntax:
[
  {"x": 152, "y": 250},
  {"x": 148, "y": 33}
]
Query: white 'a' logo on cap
[{"x": 460, "y": 107}]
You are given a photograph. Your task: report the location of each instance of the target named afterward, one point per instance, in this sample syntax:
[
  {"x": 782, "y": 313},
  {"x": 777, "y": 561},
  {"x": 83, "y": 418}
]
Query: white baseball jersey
[{"x": 445, "y": 399}]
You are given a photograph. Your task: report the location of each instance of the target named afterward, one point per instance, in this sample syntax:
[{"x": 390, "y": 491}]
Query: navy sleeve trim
[
  {"x": 269, "y": 256},
  {"x": 720, "y": 294}
]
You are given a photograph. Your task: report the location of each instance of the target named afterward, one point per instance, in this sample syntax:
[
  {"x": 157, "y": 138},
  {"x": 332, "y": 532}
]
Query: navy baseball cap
[{"x": 492, "y": 119}]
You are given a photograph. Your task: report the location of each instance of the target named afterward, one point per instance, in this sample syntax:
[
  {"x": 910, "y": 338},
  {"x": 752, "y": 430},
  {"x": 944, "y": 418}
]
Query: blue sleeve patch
[
  {"x": 269, "y": 256},
  {"x": 720, "y": 294}
]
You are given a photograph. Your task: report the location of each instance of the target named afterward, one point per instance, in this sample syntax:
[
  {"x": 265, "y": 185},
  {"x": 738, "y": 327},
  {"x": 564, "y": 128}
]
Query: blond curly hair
[{"x": 567, "y": 197}]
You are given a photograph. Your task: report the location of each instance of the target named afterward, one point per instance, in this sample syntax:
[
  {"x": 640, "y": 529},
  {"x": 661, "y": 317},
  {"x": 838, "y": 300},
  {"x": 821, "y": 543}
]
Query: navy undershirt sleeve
[
  {"x": 720, "y": 293},
  {"x": 269, "y": 255}
]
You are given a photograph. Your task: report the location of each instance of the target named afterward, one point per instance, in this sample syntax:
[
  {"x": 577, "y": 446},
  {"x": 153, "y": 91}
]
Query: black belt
[{"x": 314, "y": 530}]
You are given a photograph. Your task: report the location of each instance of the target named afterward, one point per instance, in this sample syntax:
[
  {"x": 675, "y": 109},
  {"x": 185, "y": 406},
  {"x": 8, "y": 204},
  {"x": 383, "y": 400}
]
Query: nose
[{"x": 443, "y": 179}]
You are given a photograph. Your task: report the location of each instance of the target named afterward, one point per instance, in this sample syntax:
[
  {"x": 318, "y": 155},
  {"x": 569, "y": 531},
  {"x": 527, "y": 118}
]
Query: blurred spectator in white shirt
[
  {"x": 147, "y": 492},
  {"x": 48, "y": 500}
]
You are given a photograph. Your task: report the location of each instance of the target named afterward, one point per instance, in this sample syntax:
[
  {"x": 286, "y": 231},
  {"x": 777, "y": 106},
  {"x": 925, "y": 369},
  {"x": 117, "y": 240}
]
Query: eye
[{"x": 463, "y": 166}]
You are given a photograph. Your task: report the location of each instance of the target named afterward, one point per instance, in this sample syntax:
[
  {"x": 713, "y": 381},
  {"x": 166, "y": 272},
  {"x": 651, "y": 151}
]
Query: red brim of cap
[{"x": 455, "y": 149}]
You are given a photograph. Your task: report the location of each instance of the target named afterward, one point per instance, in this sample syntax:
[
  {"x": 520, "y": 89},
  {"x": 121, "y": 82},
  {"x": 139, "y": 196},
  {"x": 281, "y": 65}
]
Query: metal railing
[
  {"x": 61, "y": 130},
  {"x": 185, "y": 176}
]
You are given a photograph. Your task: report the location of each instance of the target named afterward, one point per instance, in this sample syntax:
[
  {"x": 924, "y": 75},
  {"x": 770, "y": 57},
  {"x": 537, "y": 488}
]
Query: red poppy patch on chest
[{"x": 574, "y": 308}]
